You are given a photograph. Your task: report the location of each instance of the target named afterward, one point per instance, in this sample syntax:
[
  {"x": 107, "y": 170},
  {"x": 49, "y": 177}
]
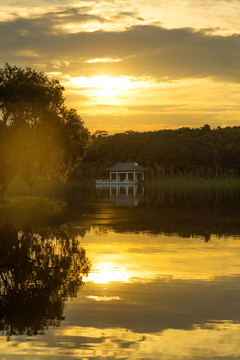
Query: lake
[{"x": 144, "y": 275}]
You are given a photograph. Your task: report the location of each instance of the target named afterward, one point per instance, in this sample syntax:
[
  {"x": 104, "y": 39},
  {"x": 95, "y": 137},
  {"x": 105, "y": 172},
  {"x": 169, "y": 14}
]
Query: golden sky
[{"x": 140, "y": 65}]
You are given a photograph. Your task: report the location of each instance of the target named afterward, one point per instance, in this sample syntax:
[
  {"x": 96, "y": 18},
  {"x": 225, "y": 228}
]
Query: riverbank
[
  {"x": 49, "y": 201},
  {"x": 31, "y": 210}
]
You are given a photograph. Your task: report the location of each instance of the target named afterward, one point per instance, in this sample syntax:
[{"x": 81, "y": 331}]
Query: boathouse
[{"x": 126, "y": 173}]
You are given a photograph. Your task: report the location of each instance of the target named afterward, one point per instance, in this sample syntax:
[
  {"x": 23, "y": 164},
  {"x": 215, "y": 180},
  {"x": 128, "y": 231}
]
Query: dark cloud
[
  {"x": 145, "y": 50},
  {"x": 26, "y": 30}
]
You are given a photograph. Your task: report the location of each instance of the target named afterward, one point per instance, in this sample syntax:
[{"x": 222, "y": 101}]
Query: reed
[{"x": 194, "y": 183}]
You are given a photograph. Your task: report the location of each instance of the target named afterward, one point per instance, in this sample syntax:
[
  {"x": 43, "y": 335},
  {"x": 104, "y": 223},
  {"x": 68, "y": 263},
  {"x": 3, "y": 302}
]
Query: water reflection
[
  {"x": 170, "y": 298},
  {"x": 215, "y": 341},
  {"x": 164, "y": 282},
  {"x": 186, "y": 214},
  {"x": 39, "y": 271},
  {"x": 128, "y": 195},
  {"x": 154, "y": 210}
]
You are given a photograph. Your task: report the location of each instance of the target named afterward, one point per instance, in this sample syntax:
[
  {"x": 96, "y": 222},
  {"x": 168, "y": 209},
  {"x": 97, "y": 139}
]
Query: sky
[{"x": 132, "y": 65}]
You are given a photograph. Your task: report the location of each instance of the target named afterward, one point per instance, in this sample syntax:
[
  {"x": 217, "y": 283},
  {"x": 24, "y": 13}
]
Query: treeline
[{"x": 200, "y": 152}]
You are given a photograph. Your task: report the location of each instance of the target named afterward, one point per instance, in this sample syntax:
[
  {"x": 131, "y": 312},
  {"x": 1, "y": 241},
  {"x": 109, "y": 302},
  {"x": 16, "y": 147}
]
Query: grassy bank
[
  {"x": 46, "y": 204},
  {"x": 30, "y": 210}
]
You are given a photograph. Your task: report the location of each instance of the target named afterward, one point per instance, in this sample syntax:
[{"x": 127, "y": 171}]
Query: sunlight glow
[
  {"x": 74, "y": 28},
  {"x": 107, "y": 273},
  {"x": 103, "y": 86},
  {"x": 102, "y": 60},
  {"x": 103, "y": 298},
  {"x": 115, "y": 258}
]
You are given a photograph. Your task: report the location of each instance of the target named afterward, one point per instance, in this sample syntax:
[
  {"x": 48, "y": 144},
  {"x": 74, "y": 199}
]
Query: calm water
[{"x": 164, "y": 281}]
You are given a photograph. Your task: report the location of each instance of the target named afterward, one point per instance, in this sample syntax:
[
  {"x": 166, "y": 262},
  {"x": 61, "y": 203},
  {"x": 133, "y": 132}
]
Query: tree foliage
[
  {"x": 39, "y": 135},
  {"x": 199, "y": 151}
]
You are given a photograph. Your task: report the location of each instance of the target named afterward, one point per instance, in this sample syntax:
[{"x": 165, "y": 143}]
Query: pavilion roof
[{"x": 126, "y": 167}]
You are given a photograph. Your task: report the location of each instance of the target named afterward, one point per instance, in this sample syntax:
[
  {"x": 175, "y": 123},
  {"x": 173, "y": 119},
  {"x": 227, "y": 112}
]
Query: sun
[{"x": 104, "y": 86}]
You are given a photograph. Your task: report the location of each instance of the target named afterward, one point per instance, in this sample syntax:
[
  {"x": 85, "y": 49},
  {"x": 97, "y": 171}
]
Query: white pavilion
[{"x": 126, "y": 173}]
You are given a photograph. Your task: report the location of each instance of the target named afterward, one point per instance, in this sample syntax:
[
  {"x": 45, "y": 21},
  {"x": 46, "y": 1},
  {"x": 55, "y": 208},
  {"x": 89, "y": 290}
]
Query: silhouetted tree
[{"x": 39, "y": 136}]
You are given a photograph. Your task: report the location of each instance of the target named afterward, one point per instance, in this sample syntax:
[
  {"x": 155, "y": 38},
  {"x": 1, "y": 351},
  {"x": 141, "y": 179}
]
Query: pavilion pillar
[
  {"x": 110, "y": 176},
  {"x": 134, "y": 176},
  {"x": 117, "y": 176},
  {"x": 142, "y": 176},
  {"x": 126, "y": 176}
]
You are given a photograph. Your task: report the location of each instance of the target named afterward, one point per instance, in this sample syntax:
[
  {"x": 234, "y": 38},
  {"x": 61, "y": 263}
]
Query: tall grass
[{"x": 190, "y": 183}]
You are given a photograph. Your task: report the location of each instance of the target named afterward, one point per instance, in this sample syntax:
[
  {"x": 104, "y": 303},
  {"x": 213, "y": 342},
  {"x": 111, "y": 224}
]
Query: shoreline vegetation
[
  {"x": 194, "y": 183},
  {"x": 55, "y": 189},
  {"x": 194, "y": 153},
  {"x": 208, "y": 206},
  {"x": 52, "y": 188},
  {"x": 31, "y": 210},
  {"x": 52, "y": 196}
]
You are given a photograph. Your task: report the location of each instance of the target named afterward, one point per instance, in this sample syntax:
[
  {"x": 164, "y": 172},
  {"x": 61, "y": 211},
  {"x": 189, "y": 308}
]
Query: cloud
[
  {"x": 127, "y": 14},
  {"x": 145, "y": 50},
  {"x": 169, "y": 54}
]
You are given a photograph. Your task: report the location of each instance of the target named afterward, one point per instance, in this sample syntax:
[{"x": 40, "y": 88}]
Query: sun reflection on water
[{"x": 106, "y": 273}]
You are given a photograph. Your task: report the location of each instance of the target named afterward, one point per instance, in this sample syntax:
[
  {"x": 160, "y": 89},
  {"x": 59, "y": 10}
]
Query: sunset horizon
[{"x": 141, "y": 67}]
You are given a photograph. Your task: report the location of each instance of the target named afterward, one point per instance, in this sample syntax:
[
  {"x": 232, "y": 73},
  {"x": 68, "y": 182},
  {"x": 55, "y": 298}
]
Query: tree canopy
[
  {"x": 39, "y": 135},
  {"x": 197, "y": 151}
]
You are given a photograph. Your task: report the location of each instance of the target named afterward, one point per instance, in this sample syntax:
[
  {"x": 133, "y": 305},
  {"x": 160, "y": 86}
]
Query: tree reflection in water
[{"x": 39, "y": 271}]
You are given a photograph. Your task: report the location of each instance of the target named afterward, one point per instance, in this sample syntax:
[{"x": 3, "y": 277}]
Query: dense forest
[{"x": 200, "y": 152}]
